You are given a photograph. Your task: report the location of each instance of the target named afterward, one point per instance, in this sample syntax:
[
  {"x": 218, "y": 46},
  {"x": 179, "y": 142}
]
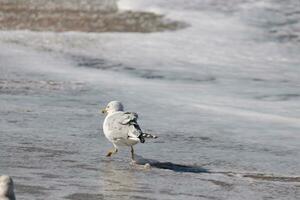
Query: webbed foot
[{"x": 111, "y": 152}]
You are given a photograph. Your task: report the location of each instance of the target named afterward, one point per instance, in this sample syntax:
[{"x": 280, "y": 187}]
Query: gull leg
[
  {"x": 132, "y": 153},
  {"x": 111, "y": 152}
]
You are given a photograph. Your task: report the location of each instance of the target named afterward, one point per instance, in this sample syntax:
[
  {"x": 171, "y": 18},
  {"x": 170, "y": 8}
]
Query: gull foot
[{"x": 109, "y": 154}]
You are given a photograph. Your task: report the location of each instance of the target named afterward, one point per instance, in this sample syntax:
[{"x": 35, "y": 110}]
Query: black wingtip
[
  {"x": 143, "y": 136},
  {"x": 142, "y": 139}
]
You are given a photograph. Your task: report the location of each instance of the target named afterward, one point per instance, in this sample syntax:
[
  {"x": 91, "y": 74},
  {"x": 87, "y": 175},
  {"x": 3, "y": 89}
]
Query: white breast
[{"x": 106, "y": 130}]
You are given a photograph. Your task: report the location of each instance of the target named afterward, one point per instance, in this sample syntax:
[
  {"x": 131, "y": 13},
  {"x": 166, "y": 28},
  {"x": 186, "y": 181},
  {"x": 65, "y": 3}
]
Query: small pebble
[
  {"x": 147, "y": 166},
  {"x": 133, "y": 162}
]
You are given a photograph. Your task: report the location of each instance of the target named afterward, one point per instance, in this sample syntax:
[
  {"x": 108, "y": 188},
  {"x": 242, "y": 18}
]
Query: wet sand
[{"x": 52, "y": 144}]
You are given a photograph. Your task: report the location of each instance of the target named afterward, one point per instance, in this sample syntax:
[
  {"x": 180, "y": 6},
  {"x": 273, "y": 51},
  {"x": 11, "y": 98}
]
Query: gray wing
[
  {"x": 123, "y": 125},
  {"x": 128, "y": 118}
]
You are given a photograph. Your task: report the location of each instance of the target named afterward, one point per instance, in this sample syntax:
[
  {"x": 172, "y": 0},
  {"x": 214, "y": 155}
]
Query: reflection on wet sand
[{"x": 122, "y": 183}]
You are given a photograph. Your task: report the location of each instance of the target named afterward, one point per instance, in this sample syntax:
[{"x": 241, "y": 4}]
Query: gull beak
[{"x": 103, "y": 111}]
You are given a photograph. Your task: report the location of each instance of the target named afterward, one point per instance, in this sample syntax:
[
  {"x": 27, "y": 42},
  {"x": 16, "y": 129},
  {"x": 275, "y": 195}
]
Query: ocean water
[{"x": 221, "y": 94}]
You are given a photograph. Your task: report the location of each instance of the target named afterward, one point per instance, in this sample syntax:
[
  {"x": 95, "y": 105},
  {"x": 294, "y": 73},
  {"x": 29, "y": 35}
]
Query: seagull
[
  {"x": 121, "y": 128},
  {"x": 6, "y": 188}
]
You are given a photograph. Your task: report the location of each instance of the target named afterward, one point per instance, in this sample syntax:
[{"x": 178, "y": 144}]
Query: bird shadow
[{"x": 171, "y": 166}]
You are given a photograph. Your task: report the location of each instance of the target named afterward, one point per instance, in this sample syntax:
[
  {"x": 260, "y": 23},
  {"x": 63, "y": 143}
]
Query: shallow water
[{"x": 222, "y": 95}]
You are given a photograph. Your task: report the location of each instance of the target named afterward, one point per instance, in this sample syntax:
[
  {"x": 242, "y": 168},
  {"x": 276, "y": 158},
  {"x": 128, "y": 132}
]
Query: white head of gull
[{"x": 6, "y": 188}]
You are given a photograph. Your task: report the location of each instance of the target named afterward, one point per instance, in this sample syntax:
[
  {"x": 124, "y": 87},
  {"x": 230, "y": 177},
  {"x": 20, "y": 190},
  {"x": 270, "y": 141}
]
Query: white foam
[
  {"x": 138, "y": 6},
  {"x": 252, "y": 115}
]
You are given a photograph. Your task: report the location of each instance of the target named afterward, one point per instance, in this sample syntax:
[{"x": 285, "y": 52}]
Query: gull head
[
  {"x": 113, "y": 106},
  {"x": 6, "y": 188}
]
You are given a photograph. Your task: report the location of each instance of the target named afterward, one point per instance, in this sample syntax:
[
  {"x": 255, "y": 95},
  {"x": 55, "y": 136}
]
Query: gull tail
[{"x": 142, "y": 136}]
